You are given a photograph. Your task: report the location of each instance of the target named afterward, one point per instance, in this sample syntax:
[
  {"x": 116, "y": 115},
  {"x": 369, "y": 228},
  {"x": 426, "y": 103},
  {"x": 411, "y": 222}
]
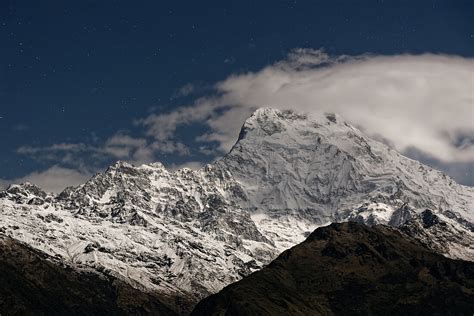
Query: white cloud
[
  {"x": 126, "y": 147},
  {"x": 119, "y": 146},
  {"x": 54, "y": 179},
  {"x": 194, "y": 165},
  {"x": 162, "y": 127},
  {"x": 70, "y": 147},
  {"x": 169, "y": 147},
  {"x": 421, "y": 101}
]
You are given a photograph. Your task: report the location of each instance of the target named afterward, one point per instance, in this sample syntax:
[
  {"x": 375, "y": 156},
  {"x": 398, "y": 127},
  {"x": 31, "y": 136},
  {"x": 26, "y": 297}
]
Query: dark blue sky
[{"x": 79, "y": 71}]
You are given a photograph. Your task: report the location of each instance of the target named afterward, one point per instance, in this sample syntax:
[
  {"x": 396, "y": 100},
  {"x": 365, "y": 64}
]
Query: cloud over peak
[
  {"x": 413, "y": 101},
  {"x": 422, "y": 105}
]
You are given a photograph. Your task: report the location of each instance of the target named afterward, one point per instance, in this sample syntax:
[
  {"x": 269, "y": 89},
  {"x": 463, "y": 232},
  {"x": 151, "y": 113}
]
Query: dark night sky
[{"x": 79, "y": 71}]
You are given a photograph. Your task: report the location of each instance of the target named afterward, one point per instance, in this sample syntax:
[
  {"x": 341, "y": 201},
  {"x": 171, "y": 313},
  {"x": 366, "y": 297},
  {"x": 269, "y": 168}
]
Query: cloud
[
  {"x": 412, "y": 101},
  {"x": 186, "y": 90},
  {"x": 54, "y": 179},
  {"x": 59, "y": 147},
  {"x": 162, "y": 127},
  {"x": 194, "y": 165},
  {"x": 120, "y": 146},
  {"x": 415, "y": 103},
  {"x": 4, "y": 184},
  {"x": 463, "y": 172},
  {"x": 126, "y": 147},
  {"x": 61, "y": 153},
  {"x": 169, "y": 147}
]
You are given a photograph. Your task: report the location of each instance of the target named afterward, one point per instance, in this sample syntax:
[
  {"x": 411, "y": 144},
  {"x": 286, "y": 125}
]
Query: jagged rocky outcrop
[
  {"x": 178, "y": 233},
  {"x": 351, "y": 269},
  {"x": 189, "y": 233},
  {"x": 438, "y": 233}
]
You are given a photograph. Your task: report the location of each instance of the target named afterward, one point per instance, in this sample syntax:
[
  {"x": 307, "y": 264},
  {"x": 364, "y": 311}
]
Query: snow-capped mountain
[
  {"x": 189, "y": 233},
  {"x": 316, "y": 170},
  {"x": 180, "y": 234}
]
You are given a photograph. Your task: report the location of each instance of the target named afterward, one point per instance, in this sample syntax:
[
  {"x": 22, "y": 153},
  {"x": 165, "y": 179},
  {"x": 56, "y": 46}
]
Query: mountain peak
[
  {"x": 267, "y": 114},
  {"x": 26, "y": 188},
  {"x": 268, "y": 121},
  {"x": 318, "y": 165},
  {"x": 121, "y": 164}
]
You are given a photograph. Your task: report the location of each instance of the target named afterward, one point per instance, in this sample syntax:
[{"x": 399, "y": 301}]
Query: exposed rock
[{"x": 351, "y": 269}]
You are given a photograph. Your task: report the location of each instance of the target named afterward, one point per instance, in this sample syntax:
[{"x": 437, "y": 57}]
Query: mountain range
[{"x": 187, "y": 234}]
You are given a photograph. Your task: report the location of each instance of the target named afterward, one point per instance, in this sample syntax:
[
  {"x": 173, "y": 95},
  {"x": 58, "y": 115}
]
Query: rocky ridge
[{"x": 351, "y": 269}]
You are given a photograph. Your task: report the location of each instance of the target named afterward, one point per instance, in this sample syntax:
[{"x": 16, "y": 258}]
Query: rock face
[
  {"x": 349, "y": 268},
  {"x": 189, "y": 233},
  {"x": 34, "y": 283}
]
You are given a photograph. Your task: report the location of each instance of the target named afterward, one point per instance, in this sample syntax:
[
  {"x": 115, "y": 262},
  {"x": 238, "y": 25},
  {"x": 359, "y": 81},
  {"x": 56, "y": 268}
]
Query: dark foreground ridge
[
  {"x": 33, "y": 283},
  {"x": 347, "y": 269}
]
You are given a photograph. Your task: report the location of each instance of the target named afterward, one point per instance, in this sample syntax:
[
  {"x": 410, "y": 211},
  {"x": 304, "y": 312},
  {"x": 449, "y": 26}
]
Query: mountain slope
[
  {"x": 36, "y": 284},
  {"x": 186, "y": 234},
  {"x": 350, "y": 268}
]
